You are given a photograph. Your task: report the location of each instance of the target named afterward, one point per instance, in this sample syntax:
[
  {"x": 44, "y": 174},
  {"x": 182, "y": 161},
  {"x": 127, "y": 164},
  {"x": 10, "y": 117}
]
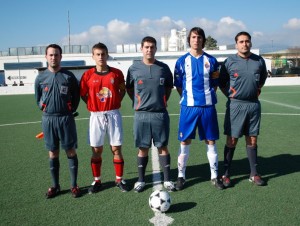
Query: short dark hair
[
  {"x": 55, "y": 46},
  {"x": 198, "y": 31},
  {"x": 148, "y": 39},
  {"x": 100, "y": 45},
  {"x": 242, "y": 33}
]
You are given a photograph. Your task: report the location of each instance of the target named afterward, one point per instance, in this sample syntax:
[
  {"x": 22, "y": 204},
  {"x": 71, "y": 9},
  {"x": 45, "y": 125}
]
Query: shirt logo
[
  {"x": 103, "y": 94},
  {"x": 140, "y": 82},
  {"x": 206, "y": 65}
]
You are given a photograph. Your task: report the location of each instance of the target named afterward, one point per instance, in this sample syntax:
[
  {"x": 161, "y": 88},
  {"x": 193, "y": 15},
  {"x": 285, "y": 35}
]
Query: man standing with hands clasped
[
  {"x": 196, "y": 80},
  {"x": 102, "y": 88},
  {"x": 241, "y": 78},
  {"x": 149, "y": 84},
  {"x": 57, "y": 95}
]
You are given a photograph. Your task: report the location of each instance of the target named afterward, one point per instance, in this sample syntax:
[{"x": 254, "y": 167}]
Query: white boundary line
[
  {"x": 131, "y": 116},
  {"x": 281, "y": 104},
  {"x": 159, "y": 219}
]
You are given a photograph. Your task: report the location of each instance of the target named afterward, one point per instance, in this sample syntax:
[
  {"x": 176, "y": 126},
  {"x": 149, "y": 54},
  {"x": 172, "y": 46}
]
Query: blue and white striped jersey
[{"x": 197, "y": 78}]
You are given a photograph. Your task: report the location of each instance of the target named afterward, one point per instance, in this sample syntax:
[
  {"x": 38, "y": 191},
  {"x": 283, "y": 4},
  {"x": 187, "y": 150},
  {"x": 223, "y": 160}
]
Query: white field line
[
  {"x": 159, "y": 219},
  {"x": 156, "y": 177},
  {"x": 281, "y": 104},
  {"x": 131, "y": 116}
]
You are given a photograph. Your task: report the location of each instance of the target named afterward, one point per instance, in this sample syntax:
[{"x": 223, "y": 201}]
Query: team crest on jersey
[
  {"x": 207, "y": 65},
  {"x": 162, "y": 81},
  {"x": 103, "y": 94}
]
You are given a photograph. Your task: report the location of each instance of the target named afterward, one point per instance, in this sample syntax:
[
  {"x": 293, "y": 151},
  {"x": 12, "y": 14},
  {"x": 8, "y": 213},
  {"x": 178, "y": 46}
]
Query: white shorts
[{"x": 102, "y": 123}]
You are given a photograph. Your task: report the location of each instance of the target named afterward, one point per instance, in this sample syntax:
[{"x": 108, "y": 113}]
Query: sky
[{"x": 273, "y": 25}]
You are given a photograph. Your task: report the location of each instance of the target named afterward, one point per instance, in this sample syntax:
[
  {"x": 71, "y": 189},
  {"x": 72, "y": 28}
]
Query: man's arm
[
  {"x": 179, "y": 90},
  {"x": 168, "y": 92},
  {"x": 130, "y": 92}
]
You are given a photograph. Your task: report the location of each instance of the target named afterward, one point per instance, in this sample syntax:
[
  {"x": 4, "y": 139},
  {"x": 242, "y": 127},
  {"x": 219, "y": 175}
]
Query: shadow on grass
[
  {"x": 268, "y": 168},
  {"x": 181, "y": 207},
  {"x": 271, "y": 167}
]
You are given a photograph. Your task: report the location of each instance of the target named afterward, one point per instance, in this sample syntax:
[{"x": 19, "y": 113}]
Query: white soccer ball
[{"x": 160, "y": 201}]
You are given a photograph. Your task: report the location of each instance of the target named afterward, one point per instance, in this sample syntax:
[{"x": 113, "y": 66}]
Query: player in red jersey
[{"x": 102, "y": 88}]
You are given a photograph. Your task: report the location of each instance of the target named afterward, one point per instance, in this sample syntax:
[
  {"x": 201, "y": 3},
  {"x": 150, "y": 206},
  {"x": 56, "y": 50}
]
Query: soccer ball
[{"x": 160, "y": 201}]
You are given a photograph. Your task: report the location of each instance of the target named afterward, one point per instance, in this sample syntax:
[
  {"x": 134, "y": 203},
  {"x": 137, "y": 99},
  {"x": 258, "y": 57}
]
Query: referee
[
  {"x": 149, "y": 84},
  {"x": 57, "y": 95}
]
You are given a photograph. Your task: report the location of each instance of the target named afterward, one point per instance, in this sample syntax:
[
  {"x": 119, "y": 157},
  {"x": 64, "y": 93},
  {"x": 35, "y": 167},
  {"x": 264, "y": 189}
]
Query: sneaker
[
  {"x": 226, "y": 181},
  {"x": 139, "y": 186},
  {"x": 179, "y": 184},
  {"x": 217, "y": 183},
  {"x": 257, "y": 180},
  {"x": 52, "y": 192},
  {"x": 122, "y": 186},
  {"x": 96, "y": 187},
  {"x": 76, "y": 192},
  {"x": 169, "y": 185}
]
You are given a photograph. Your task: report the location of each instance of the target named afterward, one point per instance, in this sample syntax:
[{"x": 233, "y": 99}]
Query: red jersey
[{"x": 102, "y": 89}]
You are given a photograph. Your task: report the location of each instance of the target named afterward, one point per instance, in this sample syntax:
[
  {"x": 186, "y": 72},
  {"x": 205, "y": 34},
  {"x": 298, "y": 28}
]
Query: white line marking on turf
[
  {"x": 156, "y": 177},
  {"x": 281, "y": 104},
  {"x": 131, "y": 116},
  {"x": 159, "y": 219}
]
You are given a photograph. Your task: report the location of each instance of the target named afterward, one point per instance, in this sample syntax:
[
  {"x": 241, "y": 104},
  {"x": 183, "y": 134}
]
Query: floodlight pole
[{"x": 69, "y": 28}]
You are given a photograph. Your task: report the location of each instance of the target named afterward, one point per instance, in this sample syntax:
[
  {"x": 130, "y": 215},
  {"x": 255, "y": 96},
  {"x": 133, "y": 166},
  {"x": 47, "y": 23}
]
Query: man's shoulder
[
  {"x": 161, "y": 64},
  {"x": 256, "y": 57},
  {"x": 66, "y": 72},
  {"x": 116, "y": 70}
]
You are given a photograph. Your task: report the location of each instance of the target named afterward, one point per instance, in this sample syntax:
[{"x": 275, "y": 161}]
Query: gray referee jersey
[
  {"x": 149, "y": 82},
  {"x": 242, "y": 77},
  {"x": 57, "y": 93}
]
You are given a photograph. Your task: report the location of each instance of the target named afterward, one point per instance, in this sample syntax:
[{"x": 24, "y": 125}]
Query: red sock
[
  {"x": 96, "y": 167},
  {"x": 119, "y": 167}
]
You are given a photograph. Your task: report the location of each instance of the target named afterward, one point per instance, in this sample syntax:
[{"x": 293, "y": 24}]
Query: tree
[{"x": 211, "y": 43}]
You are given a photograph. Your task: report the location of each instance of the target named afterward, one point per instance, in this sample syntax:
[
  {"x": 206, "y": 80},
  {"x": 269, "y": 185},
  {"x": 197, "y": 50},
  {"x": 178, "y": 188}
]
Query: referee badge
[
  {"x": 162, "y": 81},
  {"x": 64, "y": 90}
]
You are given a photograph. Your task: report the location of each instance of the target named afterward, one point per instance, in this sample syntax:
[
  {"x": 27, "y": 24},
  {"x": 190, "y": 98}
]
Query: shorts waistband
[{"x": 100, "y": 113}]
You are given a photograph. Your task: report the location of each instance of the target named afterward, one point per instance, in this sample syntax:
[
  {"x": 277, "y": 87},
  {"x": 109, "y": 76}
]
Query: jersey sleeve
[
  {"x": 224, "y": 75},
  {"x": 83, "y": 84},
  {"x": 263, "y": 74},
  {"x": 37, "y": 91},
  {"x": 75, "y": 93},
  {"x": 178, "y": 74},
  {"x": 215, "y": 73},
  {"x": 129, "y": 80},
  {"x": 169, "y": 78}
]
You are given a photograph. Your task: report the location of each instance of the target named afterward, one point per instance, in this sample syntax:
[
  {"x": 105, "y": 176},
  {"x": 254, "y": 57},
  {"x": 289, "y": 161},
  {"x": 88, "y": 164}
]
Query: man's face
[
  {"x": 100, "y": 57},
  {"x": 243, "y": 44},
  {"x": 148, "y": 50},
  {"x": 53, "y": 57},
  {"x": 196, "y": 41}
]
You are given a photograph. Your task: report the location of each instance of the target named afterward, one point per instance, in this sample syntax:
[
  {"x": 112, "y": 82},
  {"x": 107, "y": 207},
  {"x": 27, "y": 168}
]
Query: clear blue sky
[{"x": 272, "y": 24}]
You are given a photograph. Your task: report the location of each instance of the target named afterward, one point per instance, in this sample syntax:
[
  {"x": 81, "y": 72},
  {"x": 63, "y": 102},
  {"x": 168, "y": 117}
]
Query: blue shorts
[{"x": 203, "y": 118}]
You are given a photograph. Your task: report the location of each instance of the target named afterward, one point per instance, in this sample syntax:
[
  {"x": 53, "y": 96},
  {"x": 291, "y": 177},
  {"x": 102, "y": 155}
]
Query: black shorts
[{"x": 150, "y": 126}]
